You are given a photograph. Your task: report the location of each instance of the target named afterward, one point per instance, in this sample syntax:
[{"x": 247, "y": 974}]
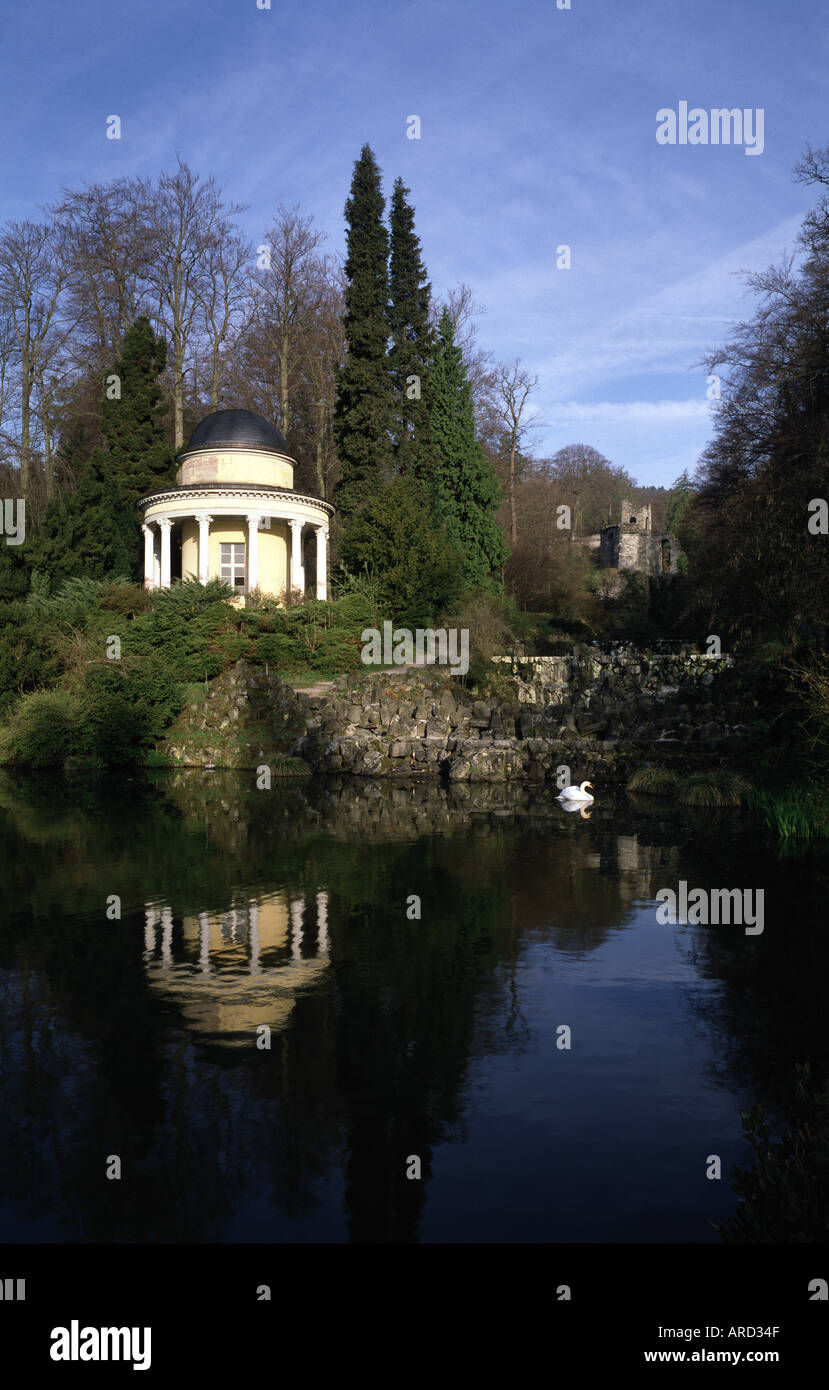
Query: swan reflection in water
[
  {"x": 230, "y": 972},
  {"x": 576, "y": 806}
]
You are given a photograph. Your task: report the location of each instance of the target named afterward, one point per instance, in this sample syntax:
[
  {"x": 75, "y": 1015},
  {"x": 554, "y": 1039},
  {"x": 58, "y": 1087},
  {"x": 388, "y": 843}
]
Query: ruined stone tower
[{"x": 632, "y": 545}]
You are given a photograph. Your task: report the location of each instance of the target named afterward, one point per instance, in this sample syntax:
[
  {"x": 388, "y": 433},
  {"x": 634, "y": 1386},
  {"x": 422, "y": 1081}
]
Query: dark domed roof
[{"x": 235, "y": 429}]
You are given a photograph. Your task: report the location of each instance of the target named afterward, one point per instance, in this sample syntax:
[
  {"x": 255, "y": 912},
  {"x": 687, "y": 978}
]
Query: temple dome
[{"x": 235, "y": 429}]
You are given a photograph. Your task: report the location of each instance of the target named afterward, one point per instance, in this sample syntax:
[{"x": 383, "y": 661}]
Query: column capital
[
  {"x": 165, "y": 522},
  {"x": 145, "y": 527},
  {"x": 253, "y": 518},
  {"x": 204, "y": 518}
]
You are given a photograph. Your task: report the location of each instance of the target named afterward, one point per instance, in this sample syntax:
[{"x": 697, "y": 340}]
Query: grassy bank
[{"x": 795, "y": 815}]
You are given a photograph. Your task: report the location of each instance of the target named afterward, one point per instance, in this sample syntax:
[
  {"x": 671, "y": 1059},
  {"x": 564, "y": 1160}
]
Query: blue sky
[{"x": 538, "y": 129}]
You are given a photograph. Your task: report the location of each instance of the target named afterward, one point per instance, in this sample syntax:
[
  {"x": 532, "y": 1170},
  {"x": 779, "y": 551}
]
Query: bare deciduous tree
[
  {"x": 513, "y": 385},
  {"x": 288, "y": 294},
  {"x": 591, "y": 486},
  {"x": 33, "y": 276},
  {"x": 463, "y": 311},
  {"x": 107, "y": 251},
  {"x": 225, "y": 302},
  {"x": 323, "y": 348},
  {"x": 187, "y": 220},
  {"x": 7, "y": 350}
]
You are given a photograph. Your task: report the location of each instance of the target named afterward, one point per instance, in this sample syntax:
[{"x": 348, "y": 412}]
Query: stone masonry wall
[
  {"x": 598, "y": 712},
  {"x": 591, "y": 710}
]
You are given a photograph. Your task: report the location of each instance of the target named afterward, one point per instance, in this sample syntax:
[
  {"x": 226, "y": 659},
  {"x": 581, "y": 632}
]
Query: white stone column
[
  {"x": 204, "y": 531},
  {"x": 149, "y": 553},
  {"x": 297, "y": 572},
  {"x": 253, "y": 550},
  {"x": 166, "y": 526},
  {"x": 322, "y": 561}
]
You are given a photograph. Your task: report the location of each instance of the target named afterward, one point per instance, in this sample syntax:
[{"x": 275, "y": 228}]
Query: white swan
[{"x": 576, "y": 793}]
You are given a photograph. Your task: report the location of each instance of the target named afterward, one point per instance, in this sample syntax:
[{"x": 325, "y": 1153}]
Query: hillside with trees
[{"x": 138, "y": 305}]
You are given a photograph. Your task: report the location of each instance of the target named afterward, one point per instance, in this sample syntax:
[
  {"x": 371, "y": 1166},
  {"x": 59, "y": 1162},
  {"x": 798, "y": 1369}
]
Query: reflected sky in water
[{"x": 267, "y": 1035}]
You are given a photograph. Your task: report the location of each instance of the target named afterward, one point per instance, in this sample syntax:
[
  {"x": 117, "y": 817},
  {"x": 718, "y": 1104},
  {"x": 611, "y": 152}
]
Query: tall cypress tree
[
  {"x": 412, "y": 340},
  {"x": 463, "y": 484},
  {"x": 363, "y": 415},
  {"x": 95, "y": 530},
  {"x": 139, "y": 454}
]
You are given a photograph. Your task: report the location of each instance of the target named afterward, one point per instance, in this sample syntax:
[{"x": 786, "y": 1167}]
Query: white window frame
[{"x": 232, "y": 565}]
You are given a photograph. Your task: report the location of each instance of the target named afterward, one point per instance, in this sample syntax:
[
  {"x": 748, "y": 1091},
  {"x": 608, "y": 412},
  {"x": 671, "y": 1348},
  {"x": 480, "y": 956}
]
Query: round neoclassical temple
[{"x": 233, "y": 513}]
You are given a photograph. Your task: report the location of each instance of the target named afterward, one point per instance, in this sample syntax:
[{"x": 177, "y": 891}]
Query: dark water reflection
[{"x": 389, "y": 1037}]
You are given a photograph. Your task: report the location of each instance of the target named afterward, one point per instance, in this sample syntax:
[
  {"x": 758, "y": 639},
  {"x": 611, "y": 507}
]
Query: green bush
[
  {"x": 233, "y": 647},
  {"x": 45, "y": 729},
  {"x": 496, "y": 627},
  {"x": 28, "y": 658},
  {"x": 275, "y": 648},
  {"x": 359, "y": 598},
  {"x": 187, "y": 633},
  {"x": 76, "y": 601},
  {"x": 110, "y": 716},
  {"x": 128, "y": 599},
  {"x": 184, "y": 628},
  {"x": 188, "y": 597},
  {"x": 117, "y": 730}
]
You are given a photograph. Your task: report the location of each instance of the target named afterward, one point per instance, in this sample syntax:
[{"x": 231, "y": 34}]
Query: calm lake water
[{"x": 390, "y": 1037}]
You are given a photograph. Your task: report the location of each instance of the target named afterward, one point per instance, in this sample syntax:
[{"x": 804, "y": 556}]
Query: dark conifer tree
[
  {"x": 15, "y": 574},
  {"x": 92, "y": 531},
  {"x": 412, "y": 342},
  {"x": 463, "y": 484},
  {"x": 363, "y": 416},
  {"x": 95, "y": 529},
  {"x": 139, "y": 453}
]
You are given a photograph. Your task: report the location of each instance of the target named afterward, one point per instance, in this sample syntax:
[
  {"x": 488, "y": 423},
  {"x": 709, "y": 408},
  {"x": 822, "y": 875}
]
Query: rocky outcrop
[{"x": 246, "y": 719}]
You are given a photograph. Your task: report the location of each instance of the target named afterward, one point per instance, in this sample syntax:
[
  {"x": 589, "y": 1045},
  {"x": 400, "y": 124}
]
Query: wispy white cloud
[{"x": 628, "y": 412}]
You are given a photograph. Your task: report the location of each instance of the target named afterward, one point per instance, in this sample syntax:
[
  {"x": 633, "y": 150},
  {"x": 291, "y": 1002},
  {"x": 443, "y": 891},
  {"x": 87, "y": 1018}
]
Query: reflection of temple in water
[
  {"x": 639, "y": 868},
  {"x": 230, "y": 972}
]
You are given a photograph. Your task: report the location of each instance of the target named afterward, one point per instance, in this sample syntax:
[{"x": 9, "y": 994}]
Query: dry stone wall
[
  {"x": 597, "y": 712},
  {"x": 590, "y": 710}
]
